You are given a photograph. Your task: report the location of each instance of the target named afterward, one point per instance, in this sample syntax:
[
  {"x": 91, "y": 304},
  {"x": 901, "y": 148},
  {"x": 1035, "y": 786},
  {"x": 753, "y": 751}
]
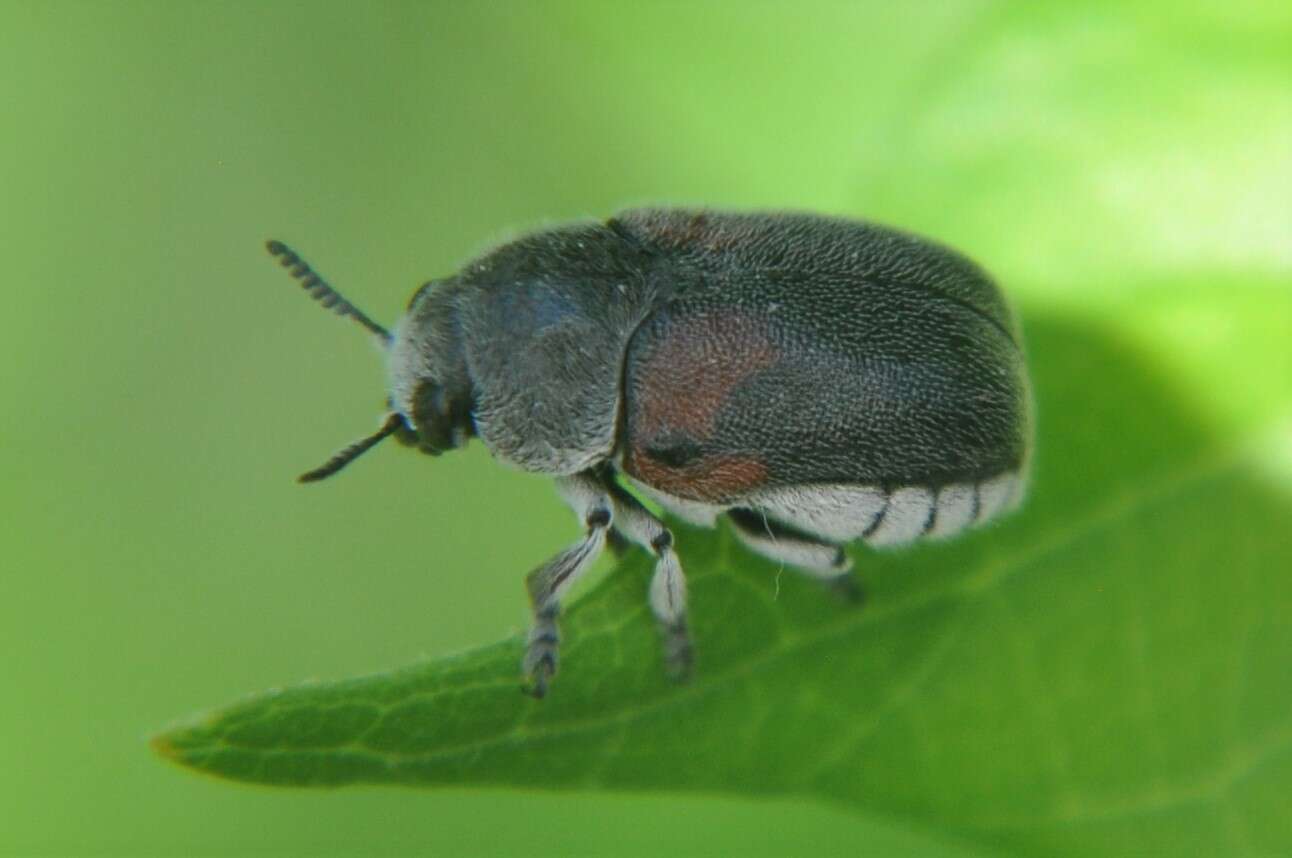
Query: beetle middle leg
[
  {"x": 821, "y": 560},
  {"x": 668, "y": 584},
  {"x": 549, "y": 582}
]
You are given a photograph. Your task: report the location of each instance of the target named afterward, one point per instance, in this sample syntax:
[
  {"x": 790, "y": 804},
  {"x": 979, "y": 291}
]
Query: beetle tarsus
[
  {"x": 542, "y": 654},
  {"x": 540, "y": 674},
  {"x": 679, "y": 655}
]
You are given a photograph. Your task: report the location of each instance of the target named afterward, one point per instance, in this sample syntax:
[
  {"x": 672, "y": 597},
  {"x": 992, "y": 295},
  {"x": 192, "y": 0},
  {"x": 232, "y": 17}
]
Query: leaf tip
[
  {"x": 177, "y": 744},
  {"x": 163, "y": 746}
]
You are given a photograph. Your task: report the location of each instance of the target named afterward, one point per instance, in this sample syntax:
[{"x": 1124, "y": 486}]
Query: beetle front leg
[
  {"x": 667, "y": 586},
  {"x": 550, "y": 581}
]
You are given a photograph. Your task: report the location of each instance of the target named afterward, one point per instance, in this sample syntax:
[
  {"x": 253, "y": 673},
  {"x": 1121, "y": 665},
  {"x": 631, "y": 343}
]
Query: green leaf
[{"x": 1109, "y": 669}]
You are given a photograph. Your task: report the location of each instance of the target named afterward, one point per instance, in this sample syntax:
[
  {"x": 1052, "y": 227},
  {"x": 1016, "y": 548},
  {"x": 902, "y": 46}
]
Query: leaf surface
[{"x": 1108, "y": 669}]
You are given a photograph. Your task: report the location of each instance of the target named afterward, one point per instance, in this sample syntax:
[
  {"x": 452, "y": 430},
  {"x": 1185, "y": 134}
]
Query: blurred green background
[{"x": 164, "y": 383}]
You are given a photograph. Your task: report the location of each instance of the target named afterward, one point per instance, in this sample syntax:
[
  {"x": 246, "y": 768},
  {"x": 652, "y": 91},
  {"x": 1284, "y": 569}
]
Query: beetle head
[
  {"x": 428, "y": 382},
  {"x": 429, "y": 399}
]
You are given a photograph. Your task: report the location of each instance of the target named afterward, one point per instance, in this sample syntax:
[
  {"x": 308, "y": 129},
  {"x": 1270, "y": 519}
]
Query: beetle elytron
[{"x": 814, "y": 380}]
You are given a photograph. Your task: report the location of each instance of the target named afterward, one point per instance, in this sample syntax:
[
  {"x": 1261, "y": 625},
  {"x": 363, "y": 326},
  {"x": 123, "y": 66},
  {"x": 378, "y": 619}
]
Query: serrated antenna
[
  {"x": 319, "y": 289},
  {"x": 389, "y": 426}
]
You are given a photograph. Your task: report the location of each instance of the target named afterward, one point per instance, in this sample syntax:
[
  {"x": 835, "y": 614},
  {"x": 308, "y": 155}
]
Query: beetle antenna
[
  {"x": 349, "y": 454},
  {"x": 320, "y": 291}
]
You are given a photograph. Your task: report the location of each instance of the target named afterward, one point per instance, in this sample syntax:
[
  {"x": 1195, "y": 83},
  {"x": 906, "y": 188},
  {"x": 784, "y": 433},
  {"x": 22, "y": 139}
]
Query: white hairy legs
[
  {"x": 601, "y": 504},
  {"x": 667, "y": 586},
  {"x": 549, "y": 582}
]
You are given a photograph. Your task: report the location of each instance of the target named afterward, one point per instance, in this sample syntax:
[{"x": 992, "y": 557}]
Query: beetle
[{"x": 813, "y": 380}]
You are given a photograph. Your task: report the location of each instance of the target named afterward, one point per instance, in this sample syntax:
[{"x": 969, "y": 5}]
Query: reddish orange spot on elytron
[
  {"x": 683, "y": 385},
  {"x": 691, "y": 374},
  {"x": 713, "y": 478}
]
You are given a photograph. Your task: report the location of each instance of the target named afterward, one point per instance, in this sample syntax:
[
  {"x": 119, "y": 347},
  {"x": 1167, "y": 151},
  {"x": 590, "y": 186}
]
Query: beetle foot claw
[
  {"x": 536, "y": 687},
  {"x": 540, "y": 676},
  {"x": 541, "y": 659}
]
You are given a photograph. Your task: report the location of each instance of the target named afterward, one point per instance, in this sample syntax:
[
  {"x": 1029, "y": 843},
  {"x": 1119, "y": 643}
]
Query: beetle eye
[{"x": 674, "y": 454}]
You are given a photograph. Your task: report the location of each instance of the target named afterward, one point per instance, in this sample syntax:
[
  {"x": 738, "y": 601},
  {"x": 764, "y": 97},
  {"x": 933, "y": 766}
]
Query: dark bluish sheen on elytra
[{"x": 814, "y": 380}]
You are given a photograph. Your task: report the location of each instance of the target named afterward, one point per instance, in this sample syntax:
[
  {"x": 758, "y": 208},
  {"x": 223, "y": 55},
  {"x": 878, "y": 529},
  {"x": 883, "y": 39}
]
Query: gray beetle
[{"x": 816, "y": 380}]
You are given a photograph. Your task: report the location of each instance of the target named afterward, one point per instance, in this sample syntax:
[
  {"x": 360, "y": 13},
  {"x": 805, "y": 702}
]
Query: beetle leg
[
  {"x": 668, "y": 584},
  {"x": 823, "y": 561},
  {"x": 550, "y": 581}
]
